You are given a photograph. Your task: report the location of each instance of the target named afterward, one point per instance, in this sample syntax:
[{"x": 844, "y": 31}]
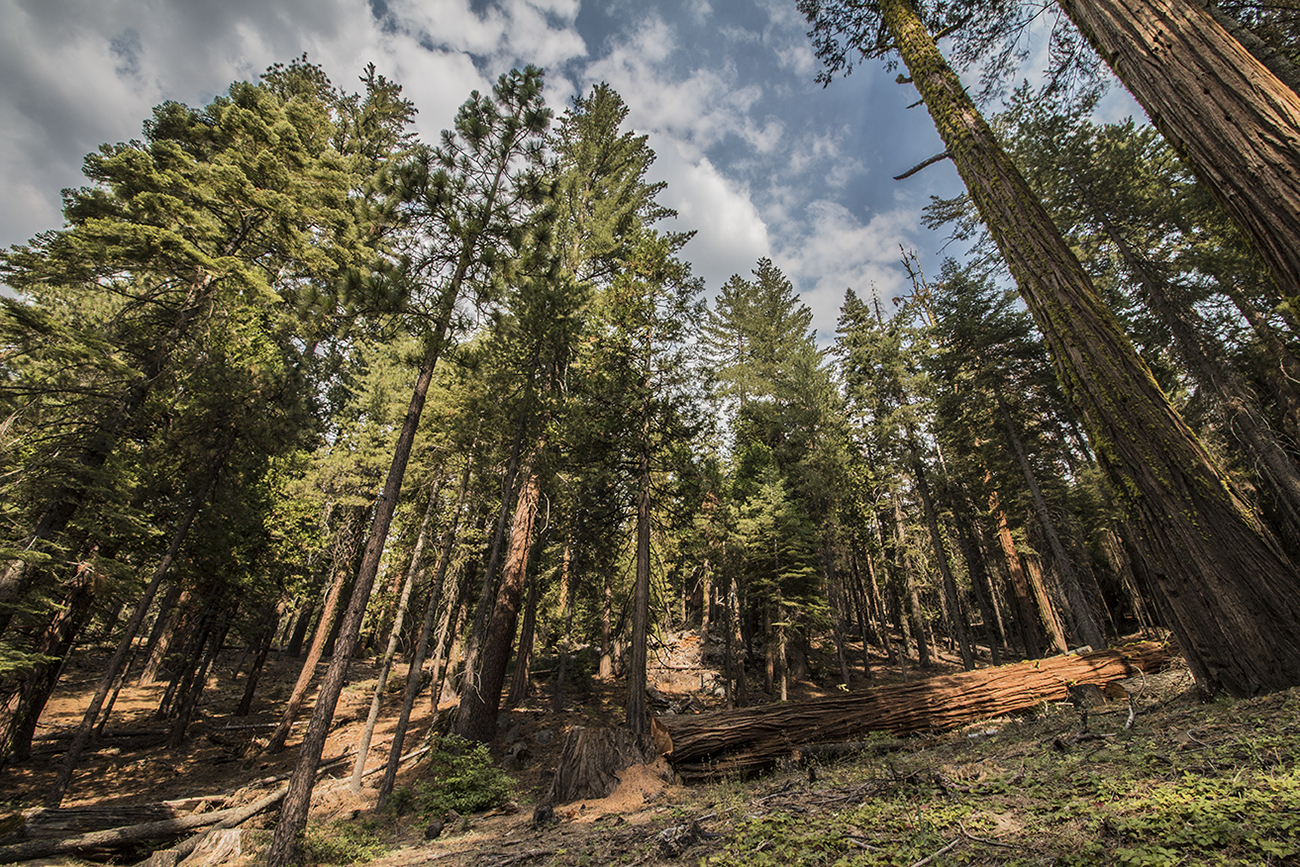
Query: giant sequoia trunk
[
  {"x": 1237, "y": 124},
  {"x": 1229, "y": 588}
]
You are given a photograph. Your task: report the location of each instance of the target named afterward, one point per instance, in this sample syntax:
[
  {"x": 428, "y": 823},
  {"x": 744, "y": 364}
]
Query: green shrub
[
  {"x": 343, "y": 842},
  {"x": 461, "y": 777}
]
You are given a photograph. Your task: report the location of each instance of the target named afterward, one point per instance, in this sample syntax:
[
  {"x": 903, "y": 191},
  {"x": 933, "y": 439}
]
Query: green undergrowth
[
  {"x": 458, "y": 776},
  {"x": 1188, "y": 784},
  {"x": 344, "y": 842}
]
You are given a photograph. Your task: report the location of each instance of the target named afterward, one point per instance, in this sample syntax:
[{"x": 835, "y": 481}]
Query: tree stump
[{"x": 590, "y": 763}]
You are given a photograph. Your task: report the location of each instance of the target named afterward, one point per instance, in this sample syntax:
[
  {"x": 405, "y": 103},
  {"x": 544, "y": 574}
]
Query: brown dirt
[{"x": 218, "y": 760}]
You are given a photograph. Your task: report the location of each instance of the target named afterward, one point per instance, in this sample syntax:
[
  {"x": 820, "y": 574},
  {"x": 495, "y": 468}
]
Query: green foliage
[
  {"x": 1211, "y": 821},
  {"x": 343, "y": 842},
  {"x": 462, "y": 777}
]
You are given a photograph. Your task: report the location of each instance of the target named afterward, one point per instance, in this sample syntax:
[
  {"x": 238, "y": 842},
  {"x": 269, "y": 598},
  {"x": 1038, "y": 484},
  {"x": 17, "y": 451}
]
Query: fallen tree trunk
[
  {"x": 752, "y": 739},
  {"x": 116, "y": 837}
]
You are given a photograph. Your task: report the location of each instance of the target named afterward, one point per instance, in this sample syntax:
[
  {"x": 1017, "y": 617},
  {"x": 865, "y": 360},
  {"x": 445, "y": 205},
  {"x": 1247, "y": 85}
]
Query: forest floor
[{"x": 1189, "y": 782}]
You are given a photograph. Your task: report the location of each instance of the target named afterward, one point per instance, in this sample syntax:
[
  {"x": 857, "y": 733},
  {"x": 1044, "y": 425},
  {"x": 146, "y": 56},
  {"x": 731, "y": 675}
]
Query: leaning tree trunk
[
  {"x": 912, "y": 592},
  {"x": 1029, "y": 619},
  {"x": 56, "y": 643},
  {"x": 1283, "y": 373},
  {"x": 341, "y": 566},
  {"x": 1227, "y": 584},
  {"x": 264, "y": 642},
  {"x": 955, "y": 617},
  {"x": 519, "y": 681},
  {"x": 1237, "y": 406},
  {"x": 81, "y": 738},
  {"x": 190, "y": 698},
  {"x": 394, "y": 636},
  {"x": 413, "y": 671},
  {"x": 480, "y": 697},
  {"x": 1086, "y": 629},
  {"x": 1236, "y": 123},
  {"x": 293, "y": 815}
]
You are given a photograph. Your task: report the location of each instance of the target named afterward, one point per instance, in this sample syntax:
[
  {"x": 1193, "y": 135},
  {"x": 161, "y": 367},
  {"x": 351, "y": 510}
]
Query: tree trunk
[
  {"x": 1087, "y": 630},
  {"x": 481, "y": 695},
  {"x": 637, "y": 720},
  {"x": 56, "y": 642},
  {"x": 519, "y": 681},
  {"x": 1237, "y": 406},
  {"x": 606, "y": 672},
  {"x": 955, "y": 616},
  {"x": 255, "y": 672},
  {"x": 866, "y": 600},
  {"x": 416, "y": 667},
  {"x": 483, "y": 607},
  {"x": 413, "y": 572},
  {"x": 1234, "y": 121},
  {"x": 1043, "y": 601},
  {"x": 190, "y": 698},
  {"x": 165, "y": 621},
  {"x": 566, "y": 617},
  {"x": 84, "y": 730},
  {"x": 980, "y": 581},
  {"x": 1228, "y": 585},
  {"x": 1027, "y": 613},
  {"x": 341, "y": 565},
  {"x": 915, "y": 614},
  {"x": 738, "y": 655},
  {"x": 293, "y": 816}
]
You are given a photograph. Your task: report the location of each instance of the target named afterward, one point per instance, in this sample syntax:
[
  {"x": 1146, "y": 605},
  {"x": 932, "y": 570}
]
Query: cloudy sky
[{"x": 758, "y": 158}]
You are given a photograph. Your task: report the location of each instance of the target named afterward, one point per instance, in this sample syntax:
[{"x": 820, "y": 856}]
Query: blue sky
[{"x": 759, "y": 159}]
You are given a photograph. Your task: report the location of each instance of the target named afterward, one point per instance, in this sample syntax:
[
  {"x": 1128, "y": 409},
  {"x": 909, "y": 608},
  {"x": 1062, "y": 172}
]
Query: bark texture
[
  {"x": 481, "y": 697},
  {"x": 1236, "y": 122},
  {"x": 1229, "y": 588}
]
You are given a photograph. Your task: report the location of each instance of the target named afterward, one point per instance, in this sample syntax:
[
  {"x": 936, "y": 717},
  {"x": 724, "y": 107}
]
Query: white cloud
[
  {"x": 730, "y": 233},
  {"x": 79, "y": 73},
  {"x": 832, "y": 250}
]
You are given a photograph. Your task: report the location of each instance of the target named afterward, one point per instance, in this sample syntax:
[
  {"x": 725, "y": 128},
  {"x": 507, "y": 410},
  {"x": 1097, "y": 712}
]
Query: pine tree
[{"x": 470, "y": 198}]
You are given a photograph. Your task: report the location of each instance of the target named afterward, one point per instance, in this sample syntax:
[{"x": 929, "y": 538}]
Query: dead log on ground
[
  {"x": 753, "y": 739},
  {"x": 118, "y": 837}
]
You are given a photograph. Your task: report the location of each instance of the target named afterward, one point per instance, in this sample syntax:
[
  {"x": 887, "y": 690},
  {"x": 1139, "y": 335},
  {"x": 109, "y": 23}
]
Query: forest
[{"x": 291, "y": 381}]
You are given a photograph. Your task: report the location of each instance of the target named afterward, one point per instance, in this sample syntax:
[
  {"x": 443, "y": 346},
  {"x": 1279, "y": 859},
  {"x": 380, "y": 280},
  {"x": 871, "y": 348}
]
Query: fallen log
[
  {"x": 753, "y": 739},
  {"x": 116, "y": 837}
]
